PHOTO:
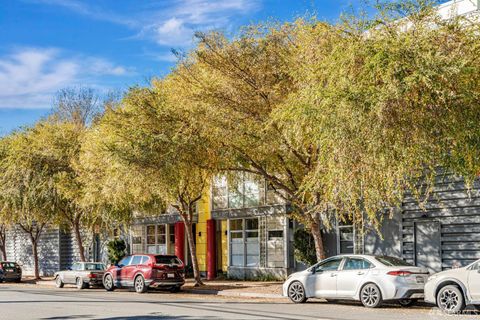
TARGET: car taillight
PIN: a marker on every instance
(160, 266)
(399, 273)
(92, 275)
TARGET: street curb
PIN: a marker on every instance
(235, 294)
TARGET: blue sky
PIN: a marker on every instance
(46, 45)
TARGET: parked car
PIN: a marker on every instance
(144, 271)
(452, 290)
(365, 278)
(10, 271)
(82, 274)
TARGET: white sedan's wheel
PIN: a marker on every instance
(450, 299)
(58, 282)
(296, 292)
(371, 296)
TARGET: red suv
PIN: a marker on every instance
(143, 271)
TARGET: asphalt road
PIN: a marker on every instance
(34, 302)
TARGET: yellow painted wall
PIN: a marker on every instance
(224, 247)
(203, 216)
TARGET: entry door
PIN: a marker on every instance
(427, 245)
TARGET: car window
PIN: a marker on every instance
(167, 260)
(136, 260)
(144, 260)
(392, 261)
(76, 267)
(329, 265)
(125, 261)
(94, 266)
(9, 265)
(356, 264)
(476, 266)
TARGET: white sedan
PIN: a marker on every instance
(452, 290)
(365, 278)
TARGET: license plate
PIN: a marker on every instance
(170, 275)
(420, 280)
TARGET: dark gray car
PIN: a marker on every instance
(10, 271)
(82, 274)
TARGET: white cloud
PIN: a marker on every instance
(102, 67)
(30, 76)
(175, 25)
(173, 31)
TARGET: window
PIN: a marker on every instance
(392, 261)
(235, 194)
(150, 234)
(157, 239)
(137, 238)
(236, 242)
(144, 260)
(220, 192)
(244, 243)
(161, 239)
(125, 261)
(330, 265)
(345, 236)
(8, 265)
(253, 190)
(136, 260)
(168, 260)
(252, 243)
(77, 267)
(94, 266)
(356, 264)
(245, 190)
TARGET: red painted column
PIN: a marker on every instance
(211, 250)
(180, 241)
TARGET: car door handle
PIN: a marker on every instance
(360, 273)
(333, 274)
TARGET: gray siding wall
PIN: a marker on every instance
(69, 252)
(456, 211)
(391, 244)
(57, 250)
(19, 249)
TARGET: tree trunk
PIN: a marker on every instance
(3, 242)
(193, 253)
(78, 237)
(317, 239)
(35, 257)
(3, 248)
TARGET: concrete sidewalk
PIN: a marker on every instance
(229, 288)
(252, 289)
